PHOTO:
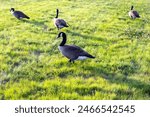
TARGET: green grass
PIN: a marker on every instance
(31, 66)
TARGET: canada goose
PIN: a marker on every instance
(72, 52)
(18, 14)
(59, 23)
(133, 14)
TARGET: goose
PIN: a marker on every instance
(59, 23)
(18, 14)
(133, 14)
(72, 52)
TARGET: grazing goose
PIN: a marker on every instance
(72, 52)
(18, 14)
(59, 23)
(133, 14)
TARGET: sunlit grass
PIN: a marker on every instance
(31, 66)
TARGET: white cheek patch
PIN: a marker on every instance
(11, 12)
(82, 57)
(61, 34)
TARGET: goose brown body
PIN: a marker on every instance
(133, 14)
(59, 23)
(72, 52)
(18, 14)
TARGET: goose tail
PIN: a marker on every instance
(138, 16)
(90, 56)
(27, 17)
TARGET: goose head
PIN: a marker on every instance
(57, 10)
(132, 7)
(63, 35)
(12, 10)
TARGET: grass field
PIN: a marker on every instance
(31, 66)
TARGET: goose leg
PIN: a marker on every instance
(71, 61)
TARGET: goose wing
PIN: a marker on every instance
(136, 13)
(20, 14)
(73, 52)
(61, 22)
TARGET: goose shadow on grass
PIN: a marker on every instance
(119, 78)
(86, 36)
(34, 22)
(39, 24)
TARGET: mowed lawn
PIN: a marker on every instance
(31, 66)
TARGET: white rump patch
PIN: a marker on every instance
(60, 26)
(82, 57)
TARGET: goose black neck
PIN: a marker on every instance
(63, 40)
(131, 7)
(57, 13)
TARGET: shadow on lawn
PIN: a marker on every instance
(86, 36)
(34, 22)
(120, 78)
(39, 24)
